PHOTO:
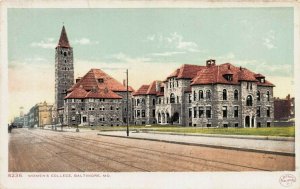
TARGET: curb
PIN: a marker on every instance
(206, 145)
(227, 136)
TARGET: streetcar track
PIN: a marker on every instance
(169, 154)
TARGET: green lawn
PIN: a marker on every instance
(269, 131)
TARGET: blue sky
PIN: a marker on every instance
(151, 43)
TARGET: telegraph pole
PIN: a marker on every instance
(127, 116)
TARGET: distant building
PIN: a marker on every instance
(40, 115)
(284, 108)
(207, 96)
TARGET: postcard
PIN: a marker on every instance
(149, 94)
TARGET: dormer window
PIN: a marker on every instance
(228, 77)
(100, 80)
(262, 80)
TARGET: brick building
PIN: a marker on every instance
(207, 96)
(284, 108)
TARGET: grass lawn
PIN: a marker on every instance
(268, 131)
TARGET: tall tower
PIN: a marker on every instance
(64, 69)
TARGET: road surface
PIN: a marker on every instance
(36, 150)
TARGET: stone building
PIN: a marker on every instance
(64, 73)
(208, 96)
(97, 99)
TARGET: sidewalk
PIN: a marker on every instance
(280, 147)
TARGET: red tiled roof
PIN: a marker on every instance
(142, 90)
(186, 71)
(152, 88)
(259, 76)
(215, 74)
(63, 40)
(97, 84)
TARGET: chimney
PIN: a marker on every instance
(210, 62)
(157, 86)
(288, 97)
(78, 79)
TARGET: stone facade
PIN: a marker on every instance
(228, 99)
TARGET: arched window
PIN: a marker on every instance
(137, 102)
(236, 95)
(172, 98)
(249, 100)
(224, 94)
(258, 95)
(208, 94)
(268, 95)
(201, 96)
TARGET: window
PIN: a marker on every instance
(201, 96)
(258, 111)
(138, 102)
(153, 102)
(268, 111)
(177, 83)
(153, 113)
(91, 108)
(138, 113)
(65, 53)
(249, 100)
(172, 98)
(224, 109)
(236, 95)
(73, 108)
(65, 62)
(208, 94)
(195, 97)
(208, 125)
(250, 86)
(258, 95)
(111, 119)
(100, 80)
(225, 125)
(190, 112)
(143, 101)
(143, 113)
(224, 94)
(190, 98)
(73, 118)
(268, 95)
(236, 111)
(236, 125)
(111, 108)
(208, 111)
(177, 99)
(159, 101)
(201, 111)
(195, 112)
(268, 124)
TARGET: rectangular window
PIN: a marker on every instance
(143, 113)
(195, 112)
(153, 113)
(268, 124)
(73, 108)
(190, 112)
(208, 125)
(268, 111)
(258, 124)
(201, 111)
(236, 111)
(208, 112)
(236, 125)
(138, 113)
(224, 109)
(225, 125)
(258, 111)
(190, 98)
(73, 118)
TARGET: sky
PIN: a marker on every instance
(151, 43)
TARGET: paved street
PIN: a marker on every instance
(38, 150)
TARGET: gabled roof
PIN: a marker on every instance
(63, 40)
(147, 89)
(97, 84)
(186, 71)
(215, 74)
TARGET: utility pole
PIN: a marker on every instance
(127, 117)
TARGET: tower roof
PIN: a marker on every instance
(63, 40)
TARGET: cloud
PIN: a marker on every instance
(46, 43)
(174, 42)
(167, 53)
(268, 40)
(128, 59)
(85, 41)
